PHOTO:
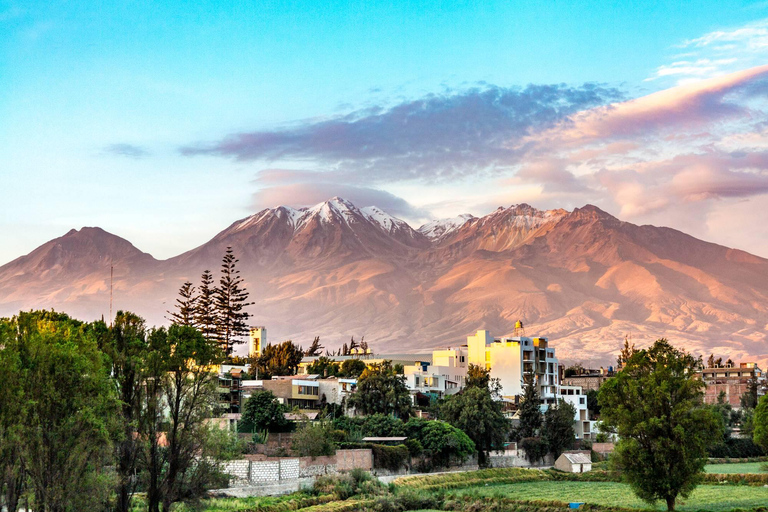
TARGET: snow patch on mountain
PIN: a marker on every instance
(441, 228)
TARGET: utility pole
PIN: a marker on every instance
(111, 273)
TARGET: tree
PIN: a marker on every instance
(475, 411)
(186, 306)
(263, 412)
(626, 352)
(68, 411)
(181, 380)
(749, 399)
(760, 423)
(313, 440)
(12, 476)
(477, 376)
(711, 361)
(593, 405)
(315, 349)
(381, 390)
(205, 307)
(444, 443)
(353, 368)
(323, 366)
(530, 410)
(230, 300)
(558, 433)
(125, 346)
(655, 403)
(280, 359)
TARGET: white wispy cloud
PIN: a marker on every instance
(717, 53)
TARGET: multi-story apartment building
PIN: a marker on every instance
(732, 381)
(576, 396)
(509, 359)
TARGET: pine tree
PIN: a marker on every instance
(230, 299)
(186, 306)
(205, 309)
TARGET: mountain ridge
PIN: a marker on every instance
(583, 277)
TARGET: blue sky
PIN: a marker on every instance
(165, 123)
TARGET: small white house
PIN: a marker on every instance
(574, 462)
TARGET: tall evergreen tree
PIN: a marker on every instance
(205, 308)
(230, 300)
(530, 409)
(186, 306)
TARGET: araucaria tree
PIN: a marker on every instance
(205, 307)
(230, 300)
(655, 404)
(186, 306)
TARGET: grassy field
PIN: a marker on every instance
(739, 467)
(705, 497)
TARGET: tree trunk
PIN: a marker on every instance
(671, 503)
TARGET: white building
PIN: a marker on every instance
(575, 396)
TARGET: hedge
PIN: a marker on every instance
(389, 457)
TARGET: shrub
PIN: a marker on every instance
(535, 449)
(391, 458)
(313, 440)
(414, 447)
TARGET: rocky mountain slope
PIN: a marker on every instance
(584, 278)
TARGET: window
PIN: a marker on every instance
(461, 359)
(581, 400)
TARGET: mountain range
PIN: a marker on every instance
(584, 278)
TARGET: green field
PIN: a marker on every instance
(739, 467)
(705, 497)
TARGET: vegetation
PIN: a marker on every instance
(381, 390)
(475, 411)
(558, 433)
(280, 359)
(760, 420)
(263, 412)
(655, 403)
(313, 440)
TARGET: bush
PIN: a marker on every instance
(313, 440)
(414, 447)
(736, 447)
(391, 458)
(535, 449)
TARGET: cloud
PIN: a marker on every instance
(432, 139)
(310, 193)
(718, 53)
(128, 150)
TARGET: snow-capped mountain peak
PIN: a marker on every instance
(441, 228)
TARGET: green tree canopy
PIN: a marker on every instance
(352, 368)
(530, 410)
(655, 404)
(381, 390)
(323, 366)
(280, 359)
(760, 423)
(475, 411)
(263, 412)
(558, 433)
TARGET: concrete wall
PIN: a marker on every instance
(264, 470)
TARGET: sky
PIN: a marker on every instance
(164, 122)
